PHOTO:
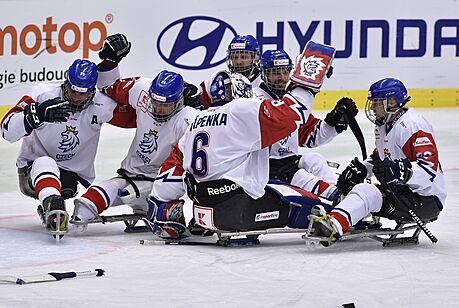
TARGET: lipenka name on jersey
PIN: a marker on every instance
(216, 119)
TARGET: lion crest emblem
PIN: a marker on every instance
(69, 139)
(149, 144)
(311, 67)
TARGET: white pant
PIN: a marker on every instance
(113, 192)
(363, 199)
(45, 177)
(315, 176)
(316, 164)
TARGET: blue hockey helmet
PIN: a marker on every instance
(80, 86)
(227, 86)
(166, 96)
(243, 55)
(275, 70)
(385, 97)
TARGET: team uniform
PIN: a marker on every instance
(55, 148)
(409, 136)
(225, 154)
(152, 143)
(405, 162)
(310, 171)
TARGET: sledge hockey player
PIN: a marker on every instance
(225, 155)
(242, 56)
(405, 162)
(59, 124)
(309, 171)
(161, 119)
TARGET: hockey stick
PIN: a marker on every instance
(109, 219)
(51, 277)
(413, 215)
(166, 242)
(355, 128)
(225, 238)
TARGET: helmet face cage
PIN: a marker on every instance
(80, 87)
(243, 55)
(165, 96)
(242, 61)
(376, 110)
(163, 111)
(385, 97)
(276, 78)
(70, 95)
(275, 70)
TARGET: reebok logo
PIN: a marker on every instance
(222, 190)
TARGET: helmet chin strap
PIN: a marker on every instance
(389, 117)
(74, 108)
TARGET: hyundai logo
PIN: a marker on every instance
(195, 43)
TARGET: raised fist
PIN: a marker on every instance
(336, 118)
(115, 47)
(192, 96)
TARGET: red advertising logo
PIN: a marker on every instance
(69, 37)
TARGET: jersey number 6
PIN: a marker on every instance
(199, 158)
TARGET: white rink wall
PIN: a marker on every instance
(414, 40)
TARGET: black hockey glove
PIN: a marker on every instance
(336, 118)
(355, 173)
(52, 110)
(115, 47)
(396, 172)
(192, 96)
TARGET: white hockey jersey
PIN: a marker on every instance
(232, 141)
(72, 144)
(153, 141)
(313, 133)
(411, 136)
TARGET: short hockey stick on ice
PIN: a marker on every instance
(50, 277)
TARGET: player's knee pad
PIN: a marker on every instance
(44, 164)
(166, 218)
(69, 184)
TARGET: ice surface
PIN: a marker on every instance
(280, 272)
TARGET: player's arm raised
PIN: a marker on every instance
(280, 118)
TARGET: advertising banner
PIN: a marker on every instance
(415, 41)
